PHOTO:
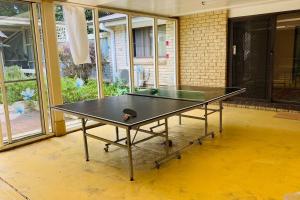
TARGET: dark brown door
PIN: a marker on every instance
(250, 56)
(286, 67)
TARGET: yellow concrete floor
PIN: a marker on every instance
(256, 157)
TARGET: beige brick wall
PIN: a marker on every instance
(202, 46)
(122, 54)
(167, 71)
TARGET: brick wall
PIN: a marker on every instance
(121, 50)
(202, 45)
(167, 72)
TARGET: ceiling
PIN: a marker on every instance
(173, 7)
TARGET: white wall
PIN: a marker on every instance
(283, 5)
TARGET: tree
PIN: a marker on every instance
(59, 14)
(12, 9)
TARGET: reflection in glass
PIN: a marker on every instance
(286, 73)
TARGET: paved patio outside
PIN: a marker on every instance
(26, 123)
(22, 124)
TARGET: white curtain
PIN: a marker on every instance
(77, 35)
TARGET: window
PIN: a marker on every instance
(143, 41)
(144, 69)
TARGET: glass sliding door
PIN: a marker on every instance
(250, 56)
(79, 81)
(166, 52)
(286, 68)
(143, 49)
(114, 53)
(21, 100)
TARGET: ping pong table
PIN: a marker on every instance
(152, 106)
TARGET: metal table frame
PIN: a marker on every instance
(129, 143)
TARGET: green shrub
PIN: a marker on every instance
(14, 73)
(73, 93)
(115, 89)
(14, 90)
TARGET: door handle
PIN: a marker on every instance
(234, 50)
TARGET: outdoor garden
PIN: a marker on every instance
(23, 97)
(76, 86)
(79, 82)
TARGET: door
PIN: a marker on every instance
(286, 72)
(250, 49)
(22, 111)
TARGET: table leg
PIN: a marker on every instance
(168, 143)
(206, 133)
(129, 148)
(117, 133)
(167, 136)
(85, 139)
(206, 120)
(221, 117)
(180, 122)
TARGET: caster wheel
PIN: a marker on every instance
(106, 149)
(125, 141)
(170, 143)
(212, 135)
(157, 165)
(178, 156)
(199, 141)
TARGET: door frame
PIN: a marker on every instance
(270, 49)
(272, 39)
(39, 81)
